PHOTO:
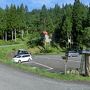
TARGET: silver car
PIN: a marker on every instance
(72, 54)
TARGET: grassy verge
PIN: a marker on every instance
(6, 59)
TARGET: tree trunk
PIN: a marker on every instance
(5, 35)
(12, 34)
(15, 35)
(22, 32)
(27, 32)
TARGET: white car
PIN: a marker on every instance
(22, 58)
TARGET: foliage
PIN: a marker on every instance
(34, 43)
(88, 18)
(86, 40)
(77, 27)
(34, 40)
(61, 23)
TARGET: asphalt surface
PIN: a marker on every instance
(54, 63)
(12, 79)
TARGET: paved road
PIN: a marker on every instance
(12, 79)
(55, 63)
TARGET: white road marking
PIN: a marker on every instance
(49, 68)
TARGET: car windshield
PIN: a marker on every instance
(72, 52)
(16, 56)
(25, 55)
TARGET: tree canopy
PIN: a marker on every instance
(68, 21)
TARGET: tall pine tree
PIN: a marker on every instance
(77, 24)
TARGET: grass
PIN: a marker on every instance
(5, 53)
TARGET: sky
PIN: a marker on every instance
(37, 4)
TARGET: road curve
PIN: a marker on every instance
(12, 79)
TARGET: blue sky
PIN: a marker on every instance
(37, 4)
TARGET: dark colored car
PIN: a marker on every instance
(22, 51)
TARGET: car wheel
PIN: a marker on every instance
(29, 60)
(19, 61)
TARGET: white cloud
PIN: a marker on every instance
(41, 2)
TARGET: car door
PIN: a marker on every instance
(25, 57)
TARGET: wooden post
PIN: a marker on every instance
(87, 64)
(66, 60)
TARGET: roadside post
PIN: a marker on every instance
(65, 58)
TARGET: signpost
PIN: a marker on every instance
(65, 67)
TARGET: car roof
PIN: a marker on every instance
(24, 54)
(21, 54)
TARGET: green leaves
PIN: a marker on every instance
(77, 20)
(2, 19)
(68, 21)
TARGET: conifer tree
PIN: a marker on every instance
(77, 24)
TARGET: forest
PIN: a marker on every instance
(61, 22)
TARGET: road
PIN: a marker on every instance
(12, 79)
(55, 63)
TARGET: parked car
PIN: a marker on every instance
(22, 58)
(85, 51)
(72, 53)
(22, 51)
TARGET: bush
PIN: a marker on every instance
(32, 43)
(50, 49)
(35, 42)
